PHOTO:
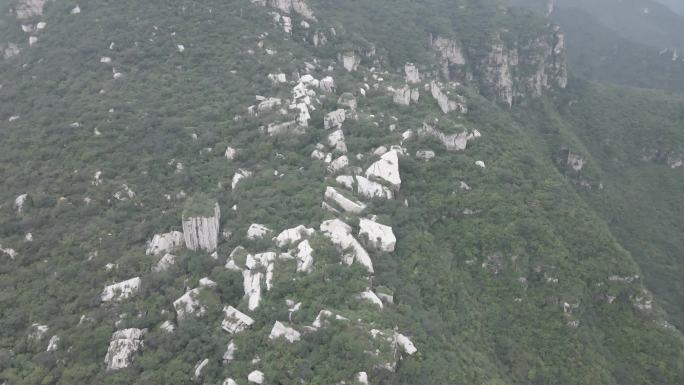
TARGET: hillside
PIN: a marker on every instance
(322, 192)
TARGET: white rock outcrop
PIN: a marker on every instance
(122, 290)
(305, 257)
(279, 330)
(29, 8)
(346, 181)
(257, 231)
(402, 96)
(340, 234)
(338, 164)
(229, 381)
(53, 344)
(230, 153)
(293, 235)
(425, 155)
(337, 141)
(167, 326)
(362, 378)
(288, 6)
(480, 164)
(235, 321)
(10, 51)
(189, 304)
(37, 331)
(122, 348)
(200, 365)
(350, 61)
(334, 119)
(229, 355)
(445, 104)
(256, 377)
(386, 169)
(371, 297)
(370, 189)
(20, 202)
(452, 142)
(251, 281)
(327, 84)
(164, 263)
(201, 233)
(346, 204)
(277, 78)
(450, 53)
(165, 243)
(405, 344)
(412, 73)
(239, 175)
(377, 236)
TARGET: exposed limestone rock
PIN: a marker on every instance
(164, 263)
(327, 84)
(449, 51)
(235, 321)
(290, 127)
(405, 95)
(385, 294)
(293, 235)
(369, 296)
(349, 61)
(167, 326)
(362, 378)
(229, 355)
(443, 101)
(277, 78)
(122, 290)
(164, 243)
(202, 232)
(239, 175)
(377, 235)
(480, 163)
(405, 343)
(75, 10)
(9, 251)
(206, 282)
(340, 234)
(37, 331)
(251, 281)
(288, 6)
(338, 164)
(229, 381)
(337, 141)
(498, 75)
(386, 169)
(230, 153)
(257, 231)
(334, 119)
(189, 304)
(305, 258)
(412, 73)
(346, 204)
(256, 377)
(346, 181)
(124, 193)
(370, 189)
(281, 331)
(425, 155)
(10, 51)
(29, 8)
(122, 347)
(200, 365)
(452, 142)
(33, 40)
(20, 202)
(53, 344)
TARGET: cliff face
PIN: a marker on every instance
(202, 232)
(512, 72)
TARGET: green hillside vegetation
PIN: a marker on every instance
(507, 282)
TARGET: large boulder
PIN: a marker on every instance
(445, 104)
(279, 330)
(412, 73)
(370, 189)
(123, 345)
(234, 321)
(334, 119)
(188, 304)
(340, 234)
(386, 169)
(346, 204)
(120, 291)
(293, 235)
(377, 235)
